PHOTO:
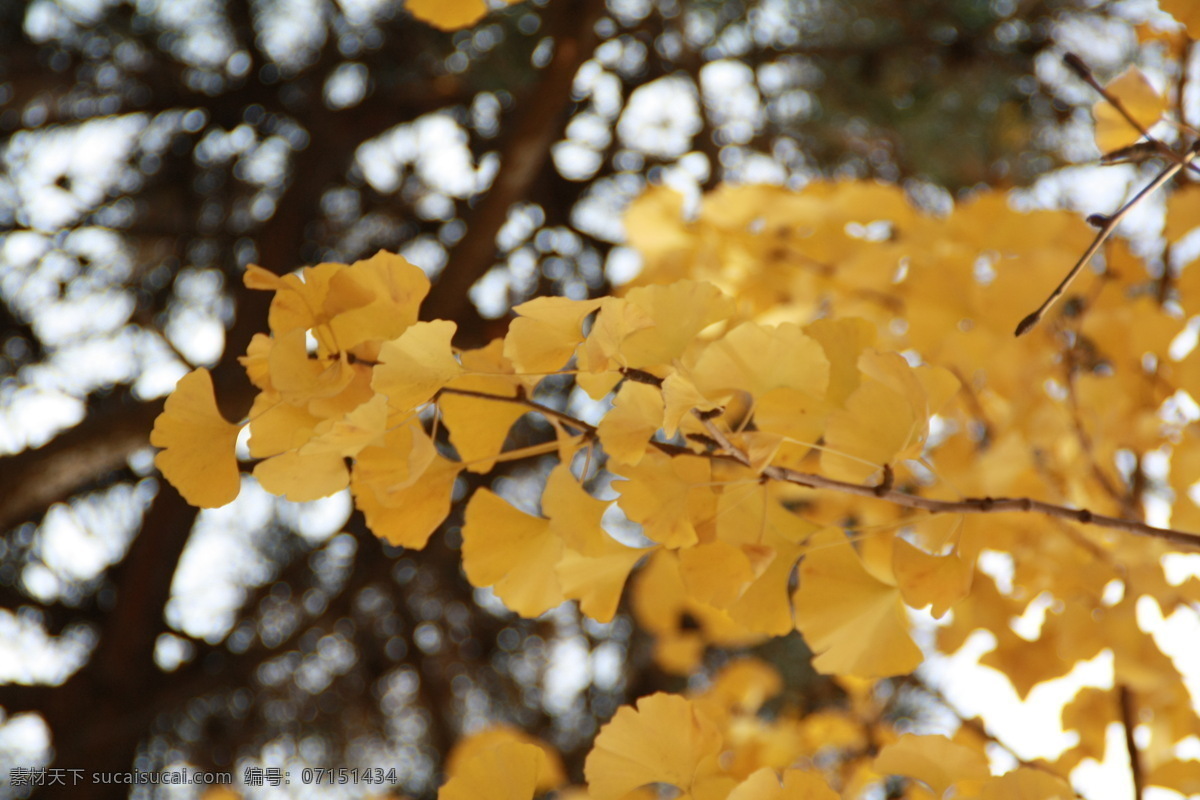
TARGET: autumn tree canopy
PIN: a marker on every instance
(614, 400)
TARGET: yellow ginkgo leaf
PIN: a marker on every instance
(1027, 783)
(299, 301)
(797, 784)
(417, 364)
(376, 298)
(680, 397)
(396, 463)
(478, 426)
(277, 426)
(407, 517)
(508, 771)
(301, 478)
(886, 418)
(925, 579)
(755, 358)
(574, 514)
(551, 773)
(198, 444)
(843, 341)
(743, 686)
(855, 623)
(544, 335)
(626, 430)
(665, 740)
(301, 379)
(750, 516)
(669, 496)
(1179, 775)
(256, 361)
(513, 552)
(1183, 211)
(1141, 99)
(933, 760)
(717, 572)
(597, 580)
(346, 437)
(617, 321)
(680, 311)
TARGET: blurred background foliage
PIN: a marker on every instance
(152, 148)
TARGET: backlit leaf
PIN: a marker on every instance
(198, 444)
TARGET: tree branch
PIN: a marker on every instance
(527, 147)
(884, 492)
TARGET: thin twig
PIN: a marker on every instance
(1129, 719)
(968, 505)
(1075, 63)
(521, 400)
(1110, 224)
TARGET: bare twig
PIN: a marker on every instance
(1075, 63)
(1109, 225)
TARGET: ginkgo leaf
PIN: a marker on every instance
(408, 516)
(277, 426)
(925, 579)
(718, 572)
(417, 364)
(886, 418)
(257, 360)
(198, 444)
(668, 496)
(395, 464)
(347, 436)
(301, 478)
(597, 579)
(1142, 100)
(574, 514)
(1183, 212)
(617, 321)
(626, 430)
(680, 311)
(1027, 783)
(755, 358)
(843, 341)
(376, 298)
(744, 686)
(855, 623)
(550, 774)
(479, 426)
(546, 331)
(683, 625)
(513, 552)
(508, 771)
(1180, 775)
(300, 379)
(665, 740)
(934, 760)
(299, 302)
(680, 397)
(796, 784)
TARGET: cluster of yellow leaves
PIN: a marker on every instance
(1085, 413)
(717, 745)
(351, 385)
(816, 331)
